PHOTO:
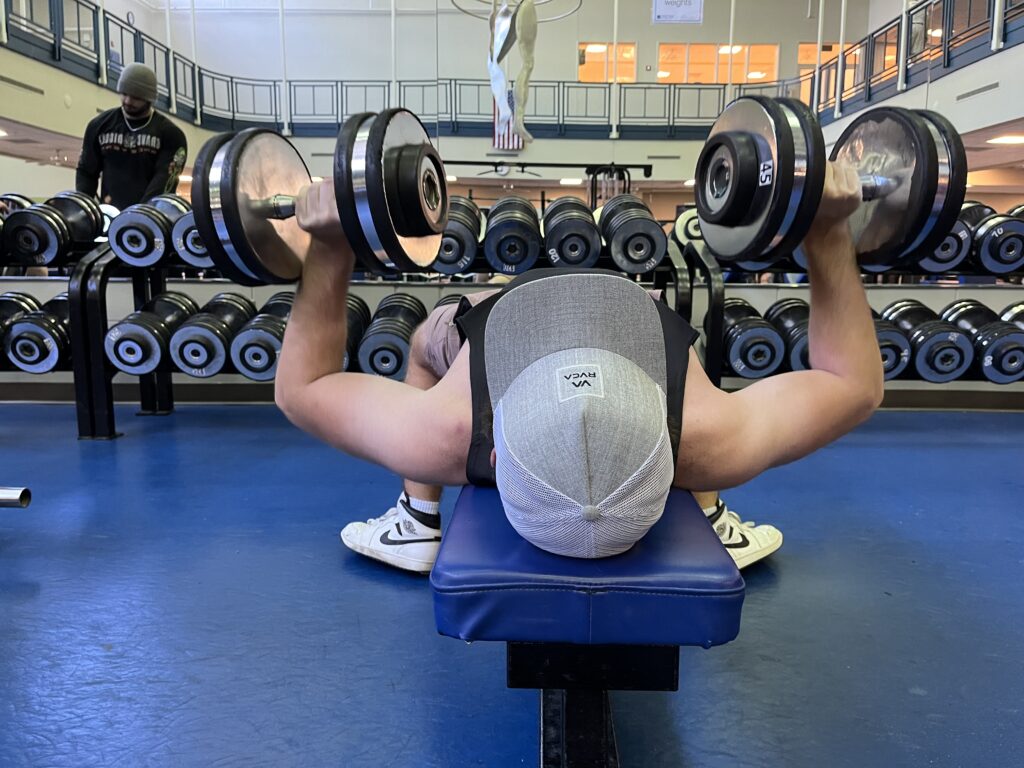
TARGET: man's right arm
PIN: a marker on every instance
(90, 162)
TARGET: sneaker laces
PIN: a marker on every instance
(391, 513)
(733, 518)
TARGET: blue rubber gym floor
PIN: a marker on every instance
(179, 597)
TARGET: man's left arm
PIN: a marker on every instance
(170, 162)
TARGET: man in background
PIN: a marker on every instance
(138, 152)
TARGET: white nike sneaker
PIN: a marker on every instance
(746, 542)
(402, 537)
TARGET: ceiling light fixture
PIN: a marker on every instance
(3, 133)
(1008, 139)
(188, 179)
(570, 182)
(690, 183)
(758, 75)
(725, 49)
(596, 48)
(663, 73)
(451, 179)
(935, 32)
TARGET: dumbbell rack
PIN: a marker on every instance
(93, 375)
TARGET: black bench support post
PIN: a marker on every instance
(576, 726)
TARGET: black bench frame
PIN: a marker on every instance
(576, 726)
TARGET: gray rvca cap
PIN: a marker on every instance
(577, 378)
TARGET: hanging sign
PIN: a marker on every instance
(677, 11)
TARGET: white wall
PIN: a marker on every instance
(350, 39)
(881, 12)
(36, 181)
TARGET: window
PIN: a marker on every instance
(709, 63)
(597, 65)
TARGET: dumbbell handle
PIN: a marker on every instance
(276, 207)
(873, 186)
(15, 497)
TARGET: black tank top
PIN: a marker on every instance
(471, 322)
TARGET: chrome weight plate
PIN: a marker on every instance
(188, 243)
(251, 169)
(390, 185)
(894, 152)
(750, 178)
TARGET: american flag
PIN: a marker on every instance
(507, 139)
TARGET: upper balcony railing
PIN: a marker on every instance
(931, 39)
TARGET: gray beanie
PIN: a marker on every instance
(138, 81)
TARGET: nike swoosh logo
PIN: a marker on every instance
(385, 538)
(740, 544)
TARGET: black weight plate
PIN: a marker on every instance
(951, 185)
(256, 165)
(391, 130)
(950, 252)
(1017, 210)
(891, 143)
(809, 181)
(188, 243)
(774, 202)
(354, 130)
(999, 244)
(205, 224)
(972, 212)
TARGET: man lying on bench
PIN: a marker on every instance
(578, 395)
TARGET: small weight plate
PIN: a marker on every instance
(205, 224)
(188, 243)
(109, 214)
(774, 204)
(133, 347)
(950, 188)
(255, 349)
(368, 146)
(950, 252)
(140, 236)
(999, 244)
(972, 212)
(198, 351)
(254, 166)
(1017, 210)
(687, 228)
(897, 146)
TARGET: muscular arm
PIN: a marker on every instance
(90, 162)
(170, 162)
(421, 435)
(729, 438)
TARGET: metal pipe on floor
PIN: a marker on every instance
(15, 497)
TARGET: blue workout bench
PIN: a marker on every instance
(577, 629)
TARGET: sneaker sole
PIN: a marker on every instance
(395, 560)
(760, 554)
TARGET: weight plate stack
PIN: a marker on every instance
(257, 346)
(753, 348)
(512, 242)
(139, 344)
(998, 244)
(941, 353)
(201, 345)
(384, 348)
(143, 234)
(188, 243)
(633, 237)
(571, 236)
(998, 344)
(39, 341)
(461, 237)
(37, 236)
(790, 318)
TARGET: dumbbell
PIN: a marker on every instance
(13, 305)
(188, 243)
(998, 244)
(384, 349)
(761, 173)
(633, 238)
(512, 241)
(790, 318)
(201, 345)
(255, 348)
(1014, 314)
(139, 343)
(358, 319)
(48, 234)
(941, 353)
(753, 348)
(451, 298)
(13, 202)
(893, 346)
(571, 236)
(389, 185)
(39, 341)
(998, 344)
(461, 236)
(956, 245)
(143, 235)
